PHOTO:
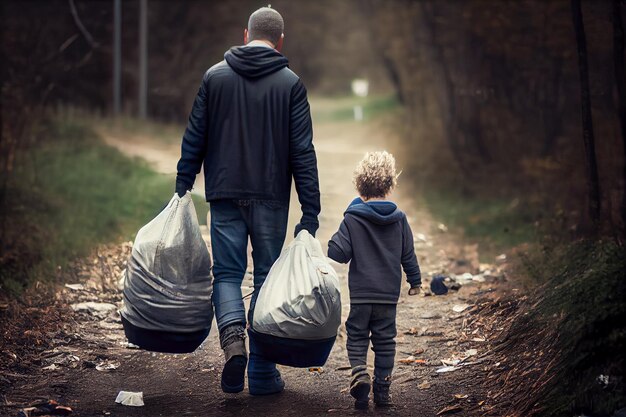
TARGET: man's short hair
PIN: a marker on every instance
(265, 24)
(375, 176)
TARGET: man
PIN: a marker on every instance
(251, 127)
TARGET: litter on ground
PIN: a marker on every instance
(129, 398)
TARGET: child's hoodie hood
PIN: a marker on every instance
(379, 212)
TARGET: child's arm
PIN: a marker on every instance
(340, 246)
(409, 260)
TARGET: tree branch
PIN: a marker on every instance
(82, 27)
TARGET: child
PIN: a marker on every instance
(375, 236)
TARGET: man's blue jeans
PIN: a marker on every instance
(232, 222)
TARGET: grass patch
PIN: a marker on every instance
(497, 224)
(68, 194)
(342, 109)
(584, 292)
(166, 133)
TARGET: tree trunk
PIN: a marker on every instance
(551, 115)
(394, 76)
(620, 82)
(593, 182)
(449, 108)
(143, 59)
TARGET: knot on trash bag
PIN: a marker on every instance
(437, 285)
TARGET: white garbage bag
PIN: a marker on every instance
(168, 282)
(300, 298)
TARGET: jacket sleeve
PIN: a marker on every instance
(194, 143)
(340, 246)
(302, 159)
(409, 260)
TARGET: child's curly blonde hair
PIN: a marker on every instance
(375, 176)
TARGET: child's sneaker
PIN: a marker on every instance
(382, 398)
(360, 387)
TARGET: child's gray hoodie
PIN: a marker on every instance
(375, 237)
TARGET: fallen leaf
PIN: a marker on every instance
(471, 352)
(411, 360)
(107, 366)
(457, 308)
(451, 409)
(445, 369)
(75, 287)
(424, 385)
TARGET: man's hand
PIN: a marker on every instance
(415, 290)
(181, 191)
(311, 228)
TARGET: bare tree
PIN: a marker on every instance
(143, 59)
(620, 83)
(449, 109)
(593, 182)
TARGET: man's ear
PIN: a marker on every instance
(279, 45)
(245, 36)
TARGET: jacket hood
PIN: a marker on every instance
(379, 212)
(255, 61)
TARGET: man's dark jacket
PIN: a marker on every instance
(251, 127)
(375, 237)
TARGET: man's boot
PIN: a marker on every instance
(382, 398)
(233, 342)
(360, 387)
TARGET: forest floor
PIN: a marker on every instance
(87, 362)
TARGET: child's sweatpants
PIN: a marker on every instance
(375, 322)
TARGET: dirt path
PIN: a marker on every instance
(429, 329)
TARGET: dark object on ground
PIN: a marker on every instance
(44, 408)
(298, 353)
(437, 286)
(166, 342)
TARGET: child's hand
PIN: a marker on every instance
(415, 290)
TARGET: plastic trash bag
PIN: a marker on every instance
(168, 283)
(298, 310)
